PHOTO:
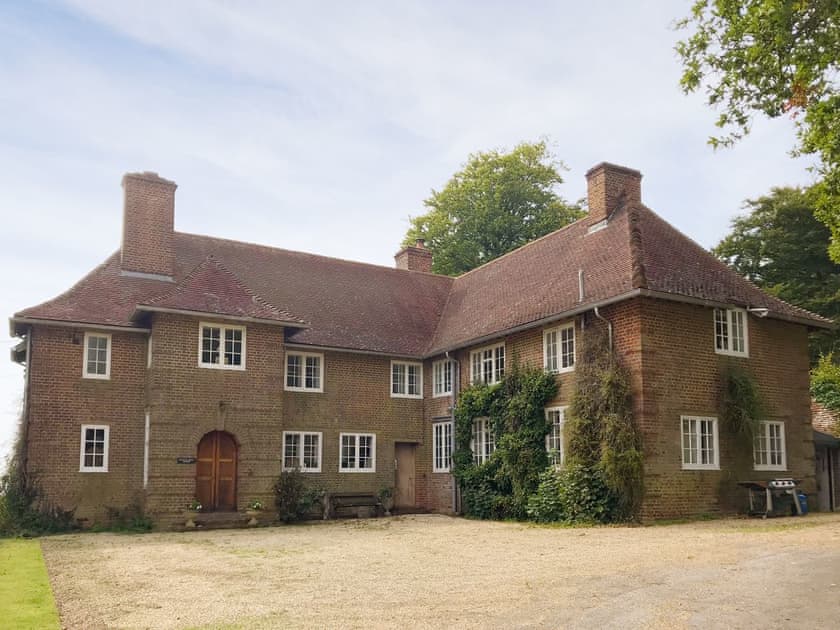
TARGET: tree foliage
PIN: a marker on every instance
(783, 249)
(825, 383)
(772, 58)
(497, 202)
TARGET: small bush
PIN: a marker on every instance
(294, 498)
(573, 494)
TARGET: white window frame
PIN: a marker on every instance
(561, 451)
(483, 429)
(300, 457)
(559, 358)
(303, 356)
(732, 314)
(496, 376)
(404, 381)
(442, 366)
(372, 469)
(223, 328)
(442, 430)
(765, 437)
(85, 373)
(105, 450)
(714, 465)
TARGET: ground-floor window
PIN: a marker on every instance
(302, 451)
(483, 442)
(769, 446)
(94, 448)
(442, 441)
(554, 439)
(699, 442)
(357, 452)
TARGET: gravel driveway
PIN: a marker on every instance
(437, 571)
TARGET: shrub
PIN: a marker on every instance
(294, 498)
(573, 494)
(825, 382)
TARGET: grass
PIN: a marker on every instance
(26, 600)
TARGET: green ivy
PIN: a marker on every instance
(742, 407)
(500, 487)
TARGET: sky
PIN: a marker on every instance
(322, 127)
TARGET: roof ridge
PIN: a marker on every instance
(311, 255)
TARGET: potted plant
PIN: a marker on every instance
(252, 510)
(192, 509)
(386, 499)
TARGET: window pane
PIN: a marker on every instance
(291, 452)
(567, 348)
(413, 380)
(721, 330)
(365, 451)
(348, 451)
(397, 378)
(500, 363)
(293, 372)
(311, 446)
(551, 363)
(233, 346)
(313, 372)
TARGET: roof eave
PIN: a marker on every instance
(18, 323)
(238, 318)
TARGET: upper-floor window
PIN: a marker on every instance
(97, 356)
(442, 442)
(731, 331)
(357, 452)
(559, 349)
(487, 365)
(769, 446)
(222, 347)
(699, 443)
(483, 441)
(442, 377)
(406, 380)
(304, 371)
(93, 456)
(554, 438)
(302, 451)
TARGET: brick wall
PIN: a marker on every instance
(148, 224)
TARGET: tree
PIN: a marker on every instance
(772, 58)
(782, 248)
(497, 202)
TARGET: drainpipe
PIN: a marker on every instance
(609, 326)
(27, 377)
(456, 382)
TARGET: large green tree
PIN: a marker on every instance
(772, 58)
(497, 202)
(781, 247)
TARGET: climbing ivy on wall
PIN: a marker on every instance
(500, 487)
(604, 442)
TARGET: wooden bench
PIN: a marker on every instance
(362, 504)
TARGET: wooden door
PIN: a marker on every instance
(404, 475)
(215, 472)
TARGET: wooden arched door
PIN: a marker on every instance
(215, 471)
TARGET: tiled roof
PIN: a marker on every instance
(407, 313)
(824, 420)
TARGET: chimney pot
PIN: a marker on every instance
(148, 224)
(610, 185)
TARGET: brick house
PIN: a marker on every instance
(827, 450)
(191, 366)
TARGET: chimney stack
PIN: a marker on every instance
(148, 225)
(609, 185)
(414, 257)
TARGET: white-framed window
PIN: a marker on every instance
(442, 443)
(357, 452)
(302, 451)
(93, 454)
(97, 362)
(406, 380)
(487, 365)
(731, 332)
(554, 438)
(304, 371)
(699, 443)
(221, 346)
(442, 378)
(769, 452)
(559, 349)
(483, 441)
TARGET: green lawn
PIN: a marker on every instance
(26, 600)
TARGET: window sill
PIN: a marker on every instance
(308, 390)
(97, 377)
(700, 467)
(442, 395)
(302, 470)
(729, 353)
(357, 470)
(217, 366)
(770, 468)
(93, 470)
(441, 471)
(414, 396)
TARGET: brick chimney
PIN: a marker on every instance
(414, 257)
(608, 185)
(148, 224)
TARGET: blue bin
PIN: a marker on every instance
(803, 502)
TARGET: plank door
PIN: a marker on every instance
(215, 471)
(404, 475)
